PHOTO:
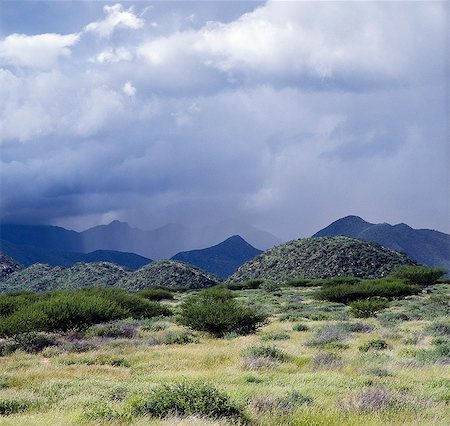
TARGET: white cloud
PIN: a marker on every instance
(116, 17)
(113, 55)
(129, 89)
(36, 51)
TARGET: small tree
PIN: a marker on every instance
(217, 312)
(419, 275)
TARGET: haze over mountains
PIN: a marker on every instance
(425, 246)
(56, 245)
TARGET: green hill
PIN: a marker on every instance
(168, 273)
(323, 257)
(40, 277)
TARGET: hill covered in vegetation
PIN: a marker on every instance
(41, 277)
(222, 259)
(168, 273)
(323, 257)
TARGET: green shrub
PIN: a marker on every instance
(271, 352)
(386, 288)
(373, 345)
(439, 328)
(116, 329)
(367, 308)
(330, 282)
(10, 406)
(280, 335)
(179, 338)
(271, 286)
(185, 399)
(418, 275)
(67, 310)
(156, 294)
(215, 311)
(300, 327)
(299, 282)
(246, 285)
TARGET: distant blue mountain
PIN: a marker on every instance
(222, 259)
(28, 255)
(160, 243)
(425, 246)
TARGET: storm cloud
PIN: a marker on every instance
(287, 115)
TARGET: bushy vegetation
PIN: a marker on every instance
(386, 288)
(217, 312)
(368, 307)
(246, 285)
(156, 294)
(374, 345)
(185, 398)
(418, 274)
(71, 310)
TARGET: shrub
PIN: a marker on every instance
(114, 330)
(331, 282)
(375, 399)
(156, 294)
(326, 360)
(356, 327)
(271, 352)
(373, 345)
(262, 404)
(326, 335)
(367, 308)
(15, 405)
(67, 310)
(439, 329)
(246, 285)
(281, 335)
(33, 342)
(345, 293)
(299, 282)
(185, 399)
(418, 274)
(215, 311)
(300, 327)
(179, 338)
(271, 286)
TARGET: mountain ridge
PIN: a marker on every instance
(425, 246)
(221, 259)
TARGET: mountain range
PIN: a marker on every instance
(425, 246)
(160, 243)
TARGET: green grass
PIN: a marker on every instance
(320, 384)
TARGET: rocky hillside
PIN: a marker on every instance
(40, 277)
(222, 259)
(7, 266)
(322, 257)
(168, 273)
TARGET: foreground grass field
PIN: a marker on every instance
(312, 364)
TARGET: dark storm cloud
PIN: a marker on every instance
(288, 115)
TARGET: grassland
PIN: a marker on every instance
(322, 376)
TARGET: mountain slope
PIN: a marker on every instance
(8, 266)
(28, 255)
(322, 257)
(222, 259)
(425, 246)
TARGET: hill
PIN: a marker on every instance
(168, 273)
(323, 257)
(222, 259)
(28, 255)
(425, 246)
(40, 277)
(8, 266)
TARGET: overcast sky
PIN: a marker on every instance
(287, 115)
